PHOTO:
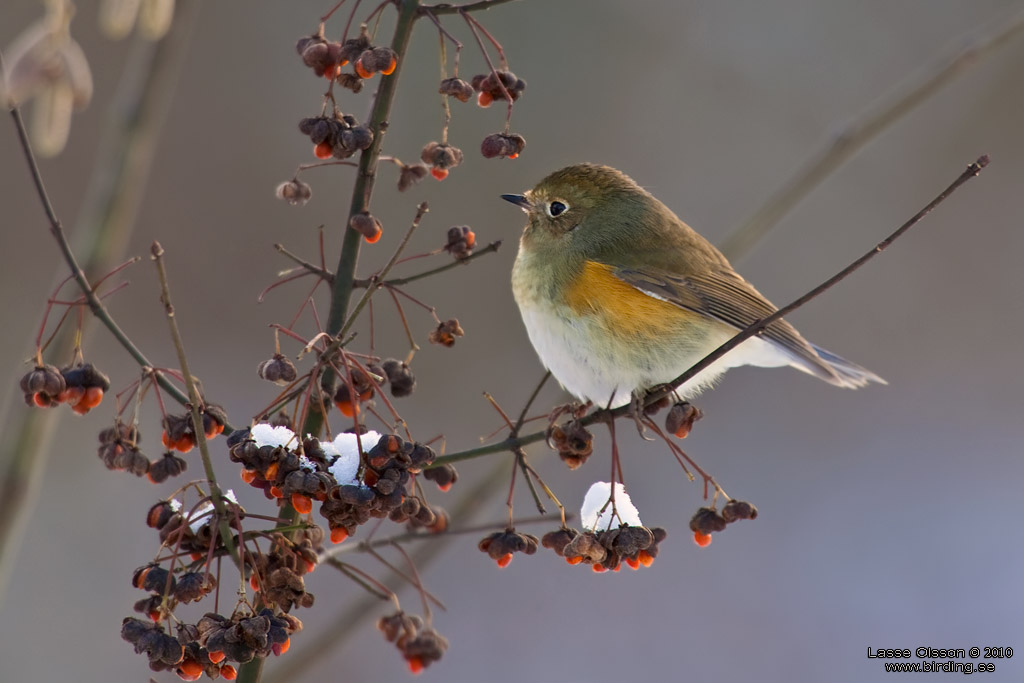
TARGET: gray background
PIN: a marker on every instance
(889, 517)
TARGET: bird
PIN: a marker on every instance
(618, 295)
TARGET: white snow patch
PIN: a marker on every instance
(266, 435)
(597, 497)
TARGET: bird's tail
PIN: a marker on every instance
(849, 374)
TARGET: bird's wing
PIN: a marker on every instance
(730, 299)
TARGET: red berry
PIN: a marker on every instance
(703, 540)
(323, 150)
(302, 504)
(439, 173)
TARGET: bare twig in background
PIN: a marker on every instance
(857, 135)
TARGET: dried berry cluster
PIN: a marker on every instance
(81, 386)
(708, 520)
(501, 545)
(277, 575)
(279, 370)
(377, 488)
(294, 191)
(680, 418)
(180, 433)
(573, 443)
(446, 332)
(387, 472)
(440, 157)
(494, 86)
(339, 136)
(606, 550)
(419, 644)
(326, 58)
(502, 145)
(461, 240)
(192, 533)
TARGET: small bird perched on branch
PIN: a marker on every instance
(619, 295)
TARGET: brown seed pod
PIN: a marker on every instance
(294, 191)
(461, 240)
(446, 332)
(411, 175)
(366, 225)
(457, 88)
(502, 145)
(279, 370)
(403, 382)
(738, 509)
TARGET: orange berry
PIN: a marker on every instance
(166, 440)
(415, 664)
(228, 672)
(484, 99)
(271, 471)
(185, 443)
(332, 72)
(215, 657)
(439, 173)
(80, 409)
(283, 647)
(574, 560)
(310, 565)
(41, 400)
(323, 150)
(346, 407)
(390, 68)
(276, 492)
(93, 397)
(445, 488)
(254, 581)
(215, 429)
(633, 563)
(248, 476)
(470, 238)
(599, 568)
(338, 535)
(703, 540)
(71, 395)
(372, 239)
(302, 504)
(155, 615)
(190, 670)
(646, 559)
(196, 556)
(513, 155)
(504, 560)
(361, 70)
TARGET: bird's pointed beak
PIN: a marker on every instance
(519, 200)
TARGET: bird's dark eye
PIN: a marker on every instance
(557, 209)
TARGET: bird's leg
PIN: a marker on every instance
(636, 405)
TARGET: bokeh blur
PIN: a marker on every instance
(888, 515)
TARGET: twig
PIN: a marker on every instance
(856, 136)
(399, 281)
(421, 210)
(447, 8)
(754, 329)
(315, 270)
(216, 496)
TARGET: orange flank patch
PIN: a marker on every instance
(596, 291)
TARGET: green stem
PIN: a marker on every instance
(362, 191)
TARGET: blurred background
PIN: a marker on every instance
(888, 515)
